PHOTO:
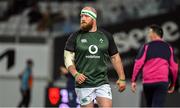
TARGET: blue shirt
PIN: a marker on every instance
(25, 78)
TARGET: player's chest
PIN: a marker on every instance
(87, 42)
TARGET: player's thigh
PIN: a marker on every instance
(104, 102)
(104, 96)
(90, 105)
(85, 96)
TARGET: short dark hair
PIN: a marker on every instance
(29, 62)
(157, 29)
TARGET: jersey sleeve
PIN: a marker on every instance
(71, 43)
(112, 49)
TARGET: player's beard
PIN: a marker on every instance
(86, 26)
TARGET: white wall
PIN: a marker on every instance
(10, 92)
(38, 53)
(9, 82)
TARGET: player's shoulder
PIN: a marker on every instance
(105, 33)
(74, 34)
(101, 30)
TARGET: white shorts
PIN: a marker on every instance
(87, 95)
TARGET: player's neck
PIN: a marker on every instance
(94, 29)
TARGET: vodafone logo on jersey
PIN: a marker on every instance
(93, 49)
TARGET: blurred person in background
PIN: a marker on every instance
(155, 59)
(34, 15)
(15, 7)
(86, 55)
(70, 78)
(69, 86)
(26, 79)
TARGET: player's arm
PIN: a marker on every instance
(69, 53)
(115, 57)
(117, 64)
(69, 63)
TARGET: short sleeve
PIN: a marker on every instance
(71, 42)
(112, 49)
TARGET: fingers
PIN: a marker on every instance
(121, 86)
(133, 87)
(80, 78)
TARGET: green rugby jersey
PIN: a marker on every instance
(92, 53)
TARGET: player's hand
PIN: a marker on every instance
(171, 89)
(80, 78)
(121, 85)
(133, 87)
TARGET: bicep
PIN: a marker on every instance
(115, 57)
